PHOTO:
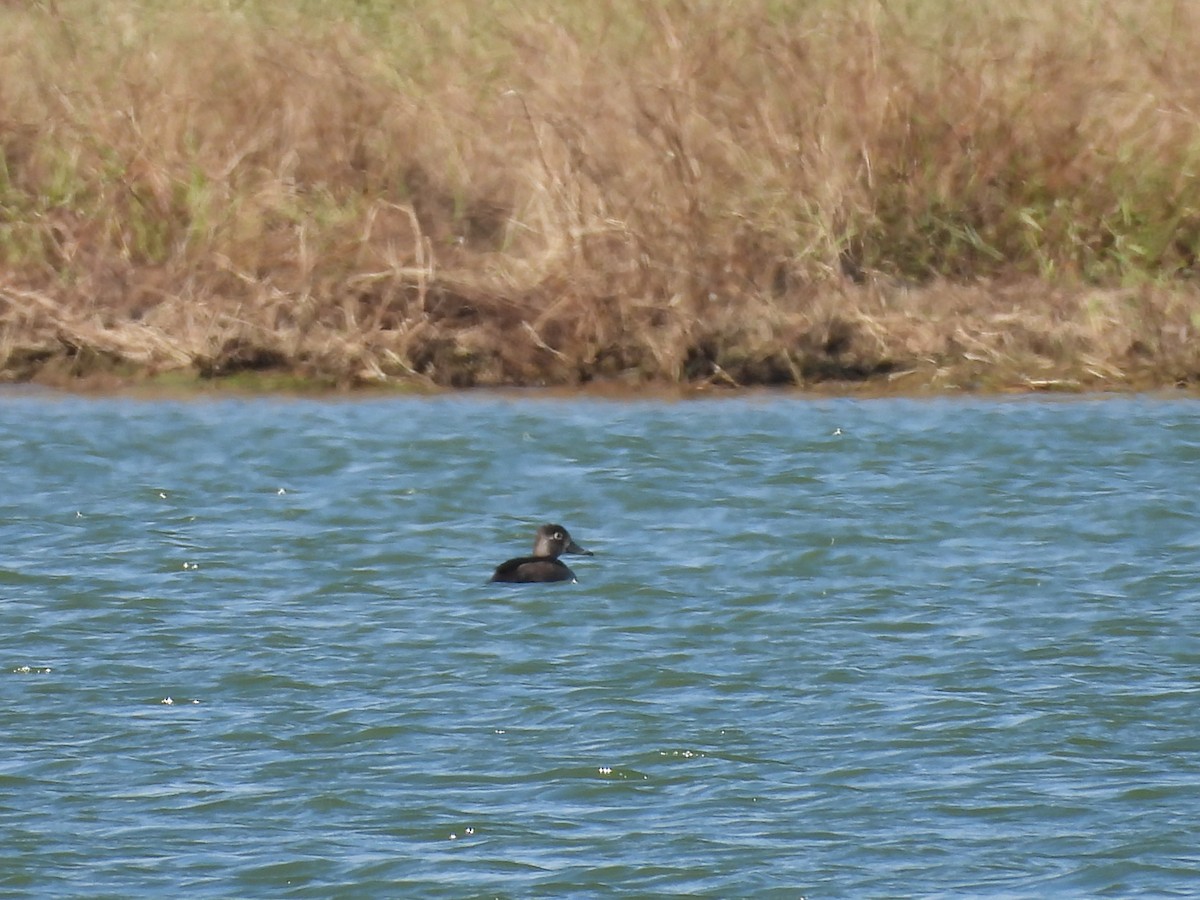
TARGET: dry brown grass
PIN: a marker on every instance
(695, 191)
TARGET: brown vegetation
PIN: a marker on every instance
(908, 194)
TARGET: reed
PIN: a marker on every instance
(903, 193)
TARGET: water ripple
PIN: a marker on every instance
(825, 648)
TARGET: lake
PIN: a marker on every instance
(825, 647)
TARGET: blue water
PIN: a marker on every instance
(826, 648)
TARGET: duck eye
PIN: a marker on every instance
(558, 535)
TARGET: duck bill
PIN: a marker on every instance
(577, 550)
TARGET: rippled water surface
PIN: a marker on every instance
(826, 648)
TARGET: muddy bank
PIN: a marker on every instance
(853, 339)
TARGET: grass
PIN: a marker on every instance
(912, 194)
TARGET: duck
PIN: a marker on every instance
(551, 542)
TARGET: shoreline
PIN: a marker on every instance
(288, 384)
(877, 339)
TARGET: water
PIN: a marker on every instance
(826, 648)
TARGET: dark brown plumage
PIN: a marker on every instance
(544, 566)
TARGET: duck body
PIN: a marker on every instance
(544, 566)
(531, 569)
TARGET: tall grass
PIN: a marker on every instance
(765, 191)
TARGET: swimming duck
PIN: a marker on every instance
(551, 542)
